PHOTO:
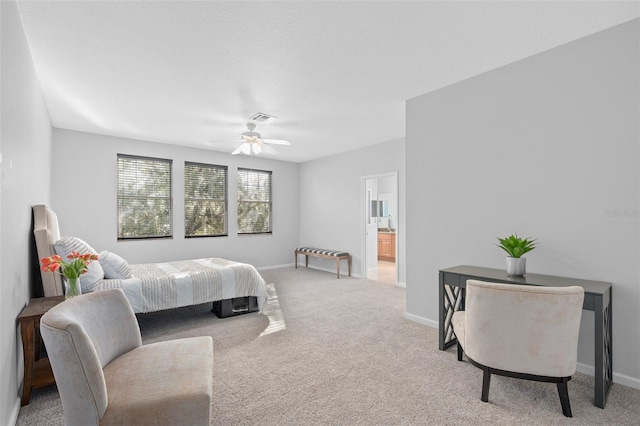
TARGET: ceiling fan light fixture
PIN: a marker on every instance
(248, 148)
(253, 144)
(250, 136)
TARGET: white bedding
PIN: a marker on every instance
(160, 286)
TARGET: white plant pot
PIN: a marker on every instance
(516, 267)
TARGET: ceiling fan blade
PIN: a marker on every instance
(238, 150)
(220, 142)
(276, 142)
(269, 150)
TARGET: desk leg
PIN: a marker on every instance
(451, 300)
(603, 350)
(27, 330)
(441, 323)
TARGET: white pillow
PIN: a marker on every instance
(90, 279)
(114, 266)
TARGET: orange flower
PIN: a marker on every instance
(49, 260)
(88, 257)
(49, 266)
(77, 266)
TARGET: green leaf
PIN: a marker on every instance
(516, 246)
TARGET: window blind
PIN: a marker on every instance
(144, 197)
(205, 200)
(254, 201)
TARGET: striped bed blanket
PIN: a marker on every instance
(159, 286)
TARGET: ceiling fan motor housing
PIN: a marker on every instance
(251, 134)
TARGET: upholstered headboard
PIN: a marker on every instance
(46, 231)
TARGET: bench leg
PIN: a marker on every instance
(338, 259)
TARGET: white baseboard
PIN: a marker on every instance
(401, 284)
(290, 265)
(15, 410)
(266, 268)
(622, 379)
(586, 369)
(333, 271)
(421, 320)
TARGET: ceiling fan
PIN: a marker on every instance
(253, 143)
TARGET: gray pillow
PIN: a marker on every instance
(114, 266)
(90, 279)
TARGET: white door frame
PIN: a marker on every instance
(364, 216)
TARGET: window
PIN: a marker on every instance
(205, 200)
(144, 197)
(254, 201)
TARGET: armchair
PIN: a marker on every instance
(521, 331)
(106, 376)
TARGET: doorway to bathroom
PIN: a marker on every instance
(381, 227)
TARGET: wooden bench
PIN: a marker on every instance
(325, 254)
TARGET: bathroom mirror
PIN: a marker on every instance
(379, 208)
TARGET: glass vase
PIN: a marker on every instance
(72, 287)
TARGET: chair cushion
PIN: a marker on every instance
(161, 383)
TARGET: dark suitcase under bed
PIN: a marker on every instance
(237, 306)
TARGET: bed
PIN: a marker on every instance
(233, 287)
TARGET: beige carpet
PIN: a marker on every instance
(340, 352)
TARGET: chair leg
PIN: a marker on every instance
(459, 352)
(563, 392)
(486, 380)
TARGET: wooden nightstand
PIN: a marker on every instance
(37, 371)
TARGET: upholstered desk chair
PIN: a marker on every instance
(521, 331)
(106, 376)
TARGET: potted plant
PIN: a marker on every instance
(515, 248)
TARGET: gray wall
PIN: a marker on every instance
(24, 180)
(332, 202)
(547, 147)
(85, 191)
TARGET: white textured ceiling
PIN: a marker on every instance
(337, 74)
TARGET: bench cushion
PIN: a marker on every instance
(333, 253)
